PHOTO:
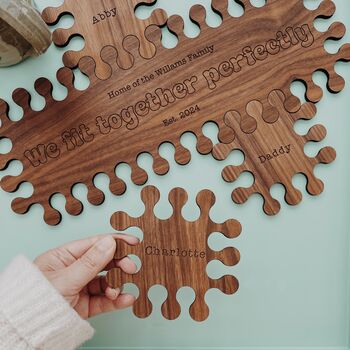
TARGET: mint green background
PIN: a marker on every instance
(294, 272)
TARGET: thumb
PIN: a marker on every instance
(89, 265)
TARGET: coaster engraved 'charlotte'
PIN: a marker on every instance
(175, 253)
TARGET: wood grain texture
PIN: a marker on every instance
(135, 110)
(274, 153)
(174, 253)
(103, 23)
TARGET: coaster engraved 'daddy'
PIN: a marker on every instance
(178, 90)
(276, 161)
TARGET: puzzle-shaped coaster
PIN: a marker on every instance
(277, 160)
(103, 23)
(159, 99)
(174, 253)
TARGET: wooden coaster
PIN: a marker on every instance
(103, 23)
(157, 100)
(174, 253)
(274, 153)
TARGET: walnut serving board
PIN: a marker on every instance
(174, 253)
(157, 99)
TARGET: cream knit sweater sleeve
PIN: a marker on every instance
(33, 315)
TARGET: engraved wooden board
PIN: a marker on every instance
(174, 253)
(158, 99)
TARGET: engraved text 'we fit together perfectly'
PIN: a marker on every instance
(129, 117)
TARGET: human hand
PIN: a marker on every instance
(74, 269)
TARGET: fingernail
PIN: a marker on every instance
(113, 294)
(104, 244)
(116, 293)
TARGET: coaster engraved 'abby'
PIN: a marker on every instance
(157, 100)
(102, 23)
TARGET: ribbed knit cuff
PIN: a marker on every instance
(37, 311)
